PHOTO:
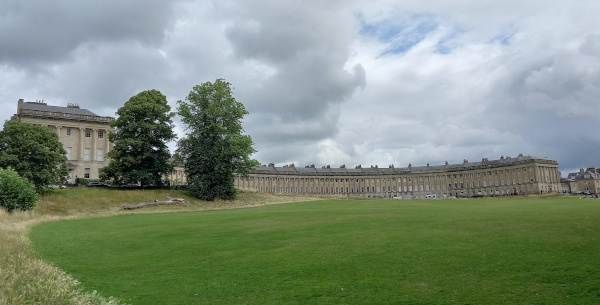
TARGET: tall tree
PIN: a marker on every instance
(35, 153)
(214, 148)
(144, 126)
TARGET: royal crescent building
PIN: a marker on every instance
(504, 176)
(83, 134)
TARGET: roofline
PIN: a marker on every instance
(359, 171)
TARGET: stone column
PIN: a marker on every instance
(94, 146)
(81, 132)
(107, 146)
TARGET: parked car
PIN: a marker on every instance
(98, 184)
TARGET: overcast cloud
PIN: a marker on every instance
(331, 82)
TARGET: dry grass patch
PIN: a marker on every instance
(26, 279)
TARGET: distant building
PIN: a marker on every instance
(83, 133)
(584, 181)
(505, 176)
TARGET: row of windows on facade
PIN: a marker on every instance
(350, 190)
(86, 154)
(88, 132)
(404, 179)
(427, 187)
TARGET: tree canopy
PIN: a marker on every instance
(35, 153)
(144, 126)
(214, 148)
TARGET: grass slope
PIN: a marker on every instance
(483, 251)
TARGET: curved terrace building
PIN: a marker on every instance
(520, 175)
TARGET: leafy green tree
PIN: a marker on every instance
(144, 126)
(35, 153)
(16, 193)
(214, 148)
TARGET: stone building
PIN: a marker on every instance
(83, 133)
(584, 181)
(520, 175)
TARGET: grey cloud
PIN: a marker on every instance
(34, 32)
(591, 45)
(307, 50)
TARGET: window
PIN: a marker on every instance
(86, 154)
(69, 152)
(69, 131)
(88, 133)
(101, 134)
(86, 173)
(100, 155)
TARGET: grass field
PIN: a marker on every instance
(510, 250)
(27, 279)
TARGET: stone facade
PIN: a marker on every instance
(520, 175)
(584, 181)
(83, 133)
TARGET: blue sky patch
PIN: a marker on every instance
(400, 35)
(448, 43)
(504, 38)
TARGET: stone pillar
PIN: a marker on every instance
(94, 146)
(107, 146)
(81, 132)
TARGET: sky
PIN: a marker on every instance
(331, 82)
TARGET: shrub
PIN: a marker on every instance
(16, 192)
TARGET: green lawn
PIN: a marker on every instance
(477, 251)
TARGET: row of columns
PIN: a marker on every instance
(93, 136)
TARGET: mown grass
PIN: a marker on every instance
(27, 279)
(481, 251)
